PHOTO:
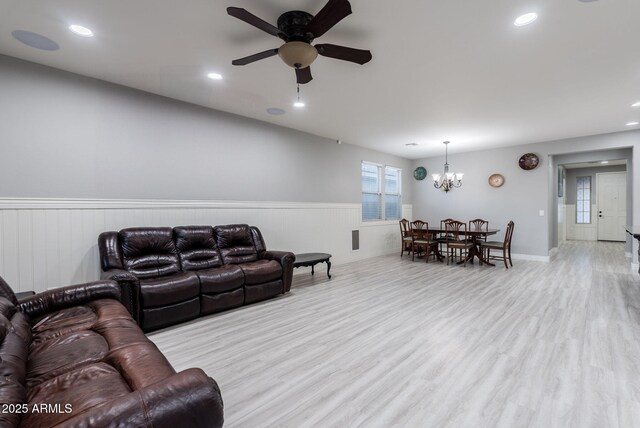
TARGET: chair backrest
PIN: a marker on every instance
(405, 228)
(443, 222)
(419, 225)
(509, 234)
(479, 225)
(456, 230)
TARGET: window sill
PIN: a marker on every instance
(375, 223)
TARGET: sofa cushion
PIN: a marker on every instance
(77, 391)
(261, 271)
(196, 247)
(223, 278)
(149, 252)
(62, 354)
(7, 292)
(235, 243)
(167, 290)
(164, 316)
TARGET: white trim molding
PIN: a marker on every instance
(47, 243)
(51, 203)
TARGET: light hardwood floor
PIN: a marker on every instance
(389, 342)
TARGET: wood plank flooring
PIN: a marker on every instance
(392, 343)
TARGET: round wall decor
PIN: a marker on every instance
(528, 161)
(496, 180)
(420, 173)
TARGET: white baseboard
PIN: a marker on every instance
(531, 257)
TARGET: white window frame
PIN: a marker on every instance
(583, 200)
(381, 192)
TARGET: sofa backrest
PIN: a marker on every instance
(258, 241)
(110, 251)
(15, 336)
(7, 292)
(196, 247)
(235, 243)
(149, 252)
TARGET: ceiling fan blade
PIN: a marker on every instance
(332, 13)
(359, 56)
(251, 19)
(303, 75)
(255, 57)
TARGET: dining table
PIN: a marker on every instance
(477, 236)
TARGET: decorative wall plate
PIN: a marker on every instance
(420, 173)
(496, 180)
(528, 161)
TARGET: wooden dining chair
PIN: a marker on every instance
(442, 238)
(505, 246)
(457, 240)
(479, 225)
(405, 234)
(423, 239)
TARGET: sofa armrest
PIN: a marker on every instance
(129, 288)
(72, 295)
(286, 259)
(188, 399)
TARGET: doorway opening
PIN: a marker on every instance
(594, 200)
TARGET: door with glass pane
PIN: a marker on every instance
(612, 205)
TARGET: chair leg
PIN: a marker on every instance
(504, 257)
(510, 262)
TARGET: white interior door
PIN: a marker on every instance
(612, 205)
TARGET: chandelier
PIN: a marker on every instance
(449, 180)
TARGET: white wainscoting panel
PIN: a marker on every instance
(47, 243)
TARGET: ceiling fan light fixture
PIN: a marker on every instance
(297, 54)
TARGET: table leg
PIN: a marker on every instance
(328, 269)
(312, 269)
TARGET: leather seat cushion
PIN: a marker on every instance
(218, 280)
(168, 290)
(58, 355)
(64, 321)
(261, 271)
(81, 389)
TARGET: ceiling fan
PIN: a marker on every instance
(298, 29)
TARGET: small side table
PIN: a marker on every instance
(24, 294)
(312, 259)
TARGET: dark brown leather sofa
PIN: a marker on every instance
(168, 276)
(74, 357)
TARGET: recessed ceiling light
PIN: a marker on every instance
(604, 161)
(525, 19)
(214, 76)
(35, 40)
(81, 31)
(276, 111)
(632, 123)
(298, 104)
(636, 104)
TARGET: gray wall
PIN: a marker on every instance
(67, 136)
(573, 174)
(524, 193)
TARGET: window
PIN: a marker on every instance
(381, 192)
(583, 200)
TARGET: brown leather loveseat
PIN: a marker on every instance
(170, 275)
(74, 357)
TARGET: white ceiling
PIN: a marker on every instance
(455, 70)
